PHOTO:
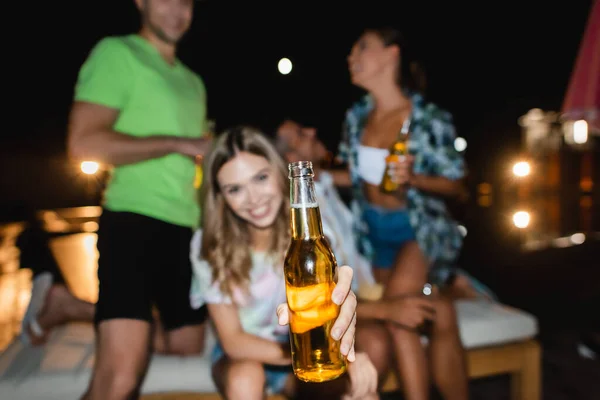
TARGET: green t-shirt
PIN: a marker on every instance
(154, 98)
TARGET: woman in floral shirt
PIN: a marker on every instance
(408, 233)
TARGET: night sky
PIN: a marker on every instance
(488, 63)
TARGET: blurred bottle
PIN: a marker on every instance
(398, 152)
(210, 133)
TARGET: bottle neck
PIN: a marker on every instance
(399, 146)
(403, 134)
(305, 218)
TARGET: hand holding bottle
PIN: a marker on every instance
(345, 324)
(400, 169)
(194, 147)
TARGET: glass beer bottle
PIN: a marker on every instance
(309, 269)
(398, 152)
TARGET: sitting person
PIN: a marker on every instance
(406, 231)
(52, 304)
(377, 339)
(237, 258)
(296, 142)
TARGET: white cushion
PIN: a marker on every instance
(62, 368)
(483, 323)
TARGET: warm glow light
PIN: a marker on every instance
(484, 200)
(577, 238)
(284, 66)
(460, 144)
(521, 219)
(89, 167)
(580, 131)
(484, 188)
(521, 169)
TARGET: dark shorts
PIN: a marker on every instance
(389, 230)
(144, 262)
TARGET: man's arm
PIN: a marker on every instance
(91, 136)
(104, 86)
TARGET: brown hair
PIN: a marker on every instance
(226, 244)
(411, 76)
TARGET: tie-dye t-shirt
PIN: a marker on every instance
(258, 309)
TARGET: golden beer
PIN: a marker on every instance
(309, 272)
(398, 151)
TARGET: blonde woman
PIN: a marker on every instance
(237, 259)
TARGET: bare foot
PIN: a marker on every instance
(55, 312)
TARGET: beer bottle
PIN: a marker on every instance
(309, 269)
(398, 152)
(198, 176)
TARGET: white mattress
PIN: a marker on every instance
(483, 323)
(61, 369)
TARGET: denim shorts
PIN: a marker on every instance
(389, 230)
(275, 376)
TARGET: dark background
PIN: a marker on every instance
(488, 63)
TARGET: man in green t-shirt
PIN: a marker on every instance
(138, 108)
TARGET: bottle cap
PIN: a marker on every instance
(300, 169)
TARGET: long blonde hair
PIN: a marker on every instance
(226, 244)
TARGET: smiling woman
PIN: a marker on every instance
(237, 257)
(241, 197)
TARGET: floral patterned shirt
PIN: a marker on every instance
(431, 142)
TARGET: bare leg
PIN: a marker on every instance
(183, 341)
(374, 339)
(61, 307)
(382, 275)
(122, 355)
(461, 289)
(411, 363)
(408, 277)
(186, 340)
(243, 380)
(448, 361)
(409, 273)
